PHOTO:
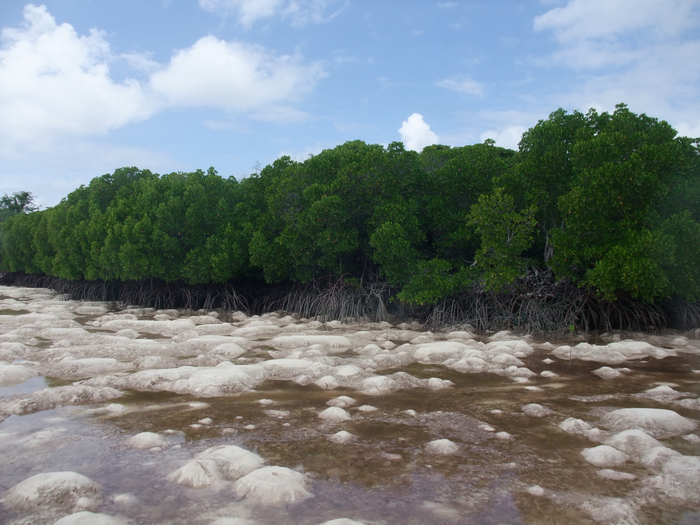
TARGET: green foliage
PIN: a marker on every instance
(18, 202)
(435, 280)
(505, 234)
(625, 167)
(610, 201)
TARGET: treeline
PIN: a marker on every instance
(607, 202)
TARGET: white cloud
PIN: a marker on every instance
(639, 52)
(233, 76)
(55, 83)
(597, 33)
(447, 5)
(416, 133)
(590, 19)
(465, 85)
(688, 129)
(507, 138)
(301, 12)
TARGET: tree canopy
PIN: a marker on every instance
(609, 201)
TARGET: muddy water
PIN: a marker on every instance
(385, 476)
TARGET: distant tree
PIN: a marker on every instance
(18, 202)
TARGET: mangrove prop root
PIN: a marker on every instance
(536, 303)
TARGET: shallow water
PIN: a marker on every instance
(385, 476)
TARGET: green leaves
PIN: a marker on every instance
(610, 201)
(613, 234)
(505, 234)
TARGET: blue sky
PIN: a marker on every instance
(87, 86)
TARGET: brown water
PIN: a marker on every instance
(385, 477)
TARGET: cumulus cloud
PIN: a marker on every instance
(592, 19)
(300, 12)
(232, 75)
(416, 133)
(56, 86)
(641, 52)
(55, 82)
(597, 33)
(507, 138)
(465, 85)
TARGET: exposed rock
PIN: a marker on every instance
(610, 511)
(437, 352)
(460, 335)
(535, 410)
(228, 350)
(327, 383)
(656, 422)
(171, 328)
(91, 309)
(663, 394)
(196, 474)
(334, 414)
(90, 518)
(515, 347)
(146, 440)
(604, 456)
(14, 374)
(606, 372)
(273, 486)
(299, 341)
(690, 404)
(444, 447)
(435, 383)
(656, 457)
(503, 436)
(378, 385)
(471, 365)
(679, 479)
(633, 442)
(342, 521)
(60, 490)
(536, 490)
(615, 475)
(128, 333)
(519, 372)
(343, 437)
(233, 521)
(225, 378)
(233, 462)
(291, 368)
(505, 360)
(342, 402)
(49, 398)
(87, 367)
(151, 362)
(575, 426)
(588, 352)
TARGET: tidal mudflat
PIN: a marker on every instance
(136, 416)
